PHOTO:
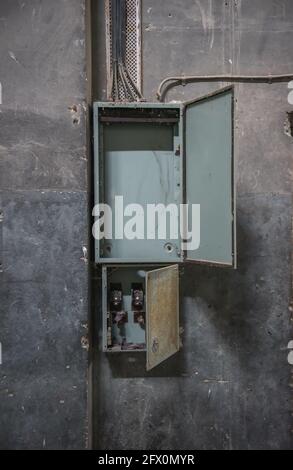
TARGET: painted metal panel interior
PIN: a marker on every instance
(130, 334)
(138, 161)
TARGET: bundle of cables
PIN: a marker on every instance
(122, 85)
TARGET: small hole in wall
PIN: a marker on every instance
(288, 125)
(73, 108)
(290, 119)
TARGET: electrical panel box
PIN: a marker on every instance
(141, 311)
(177, 155)
(151, 153)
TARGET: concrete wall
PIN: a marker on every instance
(44, 229)
(229, 387)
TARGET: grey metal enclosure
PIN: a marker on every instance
(167, 154)
(177, 156)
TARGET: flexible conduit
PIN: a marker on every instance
(171, 82)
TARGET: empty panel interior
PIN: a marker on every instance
(140, 161)
(125, 321)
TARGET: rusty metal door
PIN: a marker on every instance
(162, 307)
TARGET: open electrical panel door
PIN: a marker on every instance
(209, 175)
(162, 309)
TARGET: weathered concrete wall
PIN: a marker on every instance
(44, 205)
(229, 387)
